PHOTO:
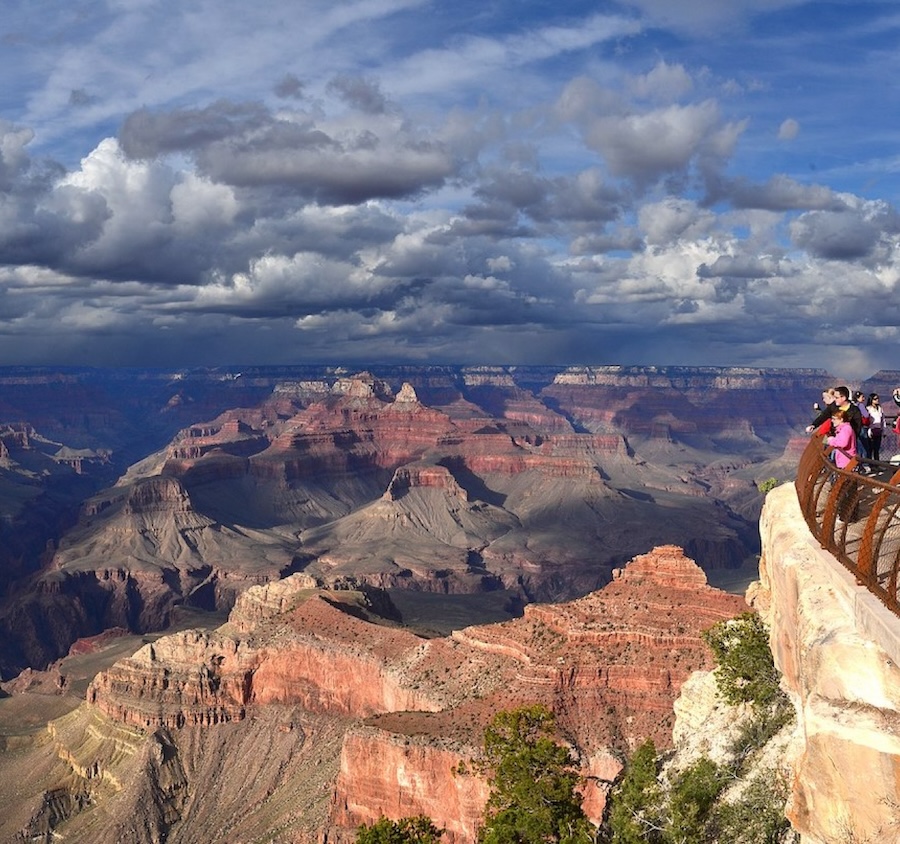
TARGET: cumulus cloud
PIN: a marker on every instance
(372, 182)
(840, 236)
(664, 83)
(788, 130)
(245, 145)
(646, 146)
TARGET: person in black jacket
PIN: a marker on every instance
(851, 412)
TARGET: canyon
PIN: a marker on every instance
(319, 714)
(491, 487)
(313, 586)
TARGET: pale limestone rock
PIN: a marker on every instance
(845, 685)
(407, 395)
(705, 725)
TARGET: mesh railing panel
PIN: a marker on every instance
(855, 515)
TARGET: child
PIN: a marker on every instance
(843, 441)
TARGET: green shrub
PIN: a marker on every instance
(767, 485)
(692, 795)
(745, 671)
(634, 814)
(416, 830)
(757, 816)
(533, 783)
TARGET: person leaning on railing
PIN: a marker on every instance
(842, 400)
(843, 441)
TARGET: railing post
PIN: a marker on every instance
(869, 547)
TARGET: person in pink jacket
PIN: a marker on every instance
(843, 440)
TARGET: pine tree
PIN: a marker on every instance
(533, 783)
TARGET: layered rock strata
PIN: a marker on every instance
(609, 664)
(533, 480)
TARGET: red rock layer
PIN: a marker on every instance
(610, 664)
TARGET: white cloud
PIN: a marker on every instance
(788, 130)
(646, 146)
(665, 83)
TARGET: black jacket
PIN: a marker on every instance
(854, 417)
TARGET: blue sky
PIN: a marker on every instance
(652, 181)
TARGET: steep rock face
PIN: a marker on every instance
(610, 665)
(375, 762)
(314, 655)
(836, 647)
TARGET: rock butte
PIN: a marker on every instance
(610, 664)
(537, 493)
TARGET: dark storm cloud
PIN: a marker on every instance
(247, 146)
(363, 94)
(747, 266)
(583, 198)
(779, 193)
(836, 236)
(147, 134)
(43, 222)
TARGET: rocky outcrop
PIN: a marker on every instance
(838, 649)
(610, 665)
(400, 775)
(534, 480)
(315, 655)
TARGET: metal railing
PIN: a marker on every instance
(854, 513)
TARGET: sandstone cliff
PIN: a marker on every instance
(837, 648)
(310, 665)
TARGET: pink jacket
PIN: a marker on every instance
(844, 442)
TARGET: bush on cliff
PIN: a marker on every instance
(745, 671)
(736, 800)
(416, 830)
(634, 812)
(533, 783)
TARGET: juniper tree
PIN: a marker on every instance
(533, 783)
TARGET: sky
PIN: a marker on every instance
(668, 182)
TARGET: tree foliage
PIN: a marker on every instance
(533, 783)
(745, 671)
(767, 485)
(415, 830)
(633, 810)
(758, 816)
(692, 796)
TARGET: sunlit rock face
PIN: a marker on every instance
(837, 648)
(531, 482)
(609, 664)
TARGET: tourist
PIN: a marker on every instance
(842, 400)
(863, 444)
(876, 425)
(823, 411)
(843, 445)
(844, 439)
